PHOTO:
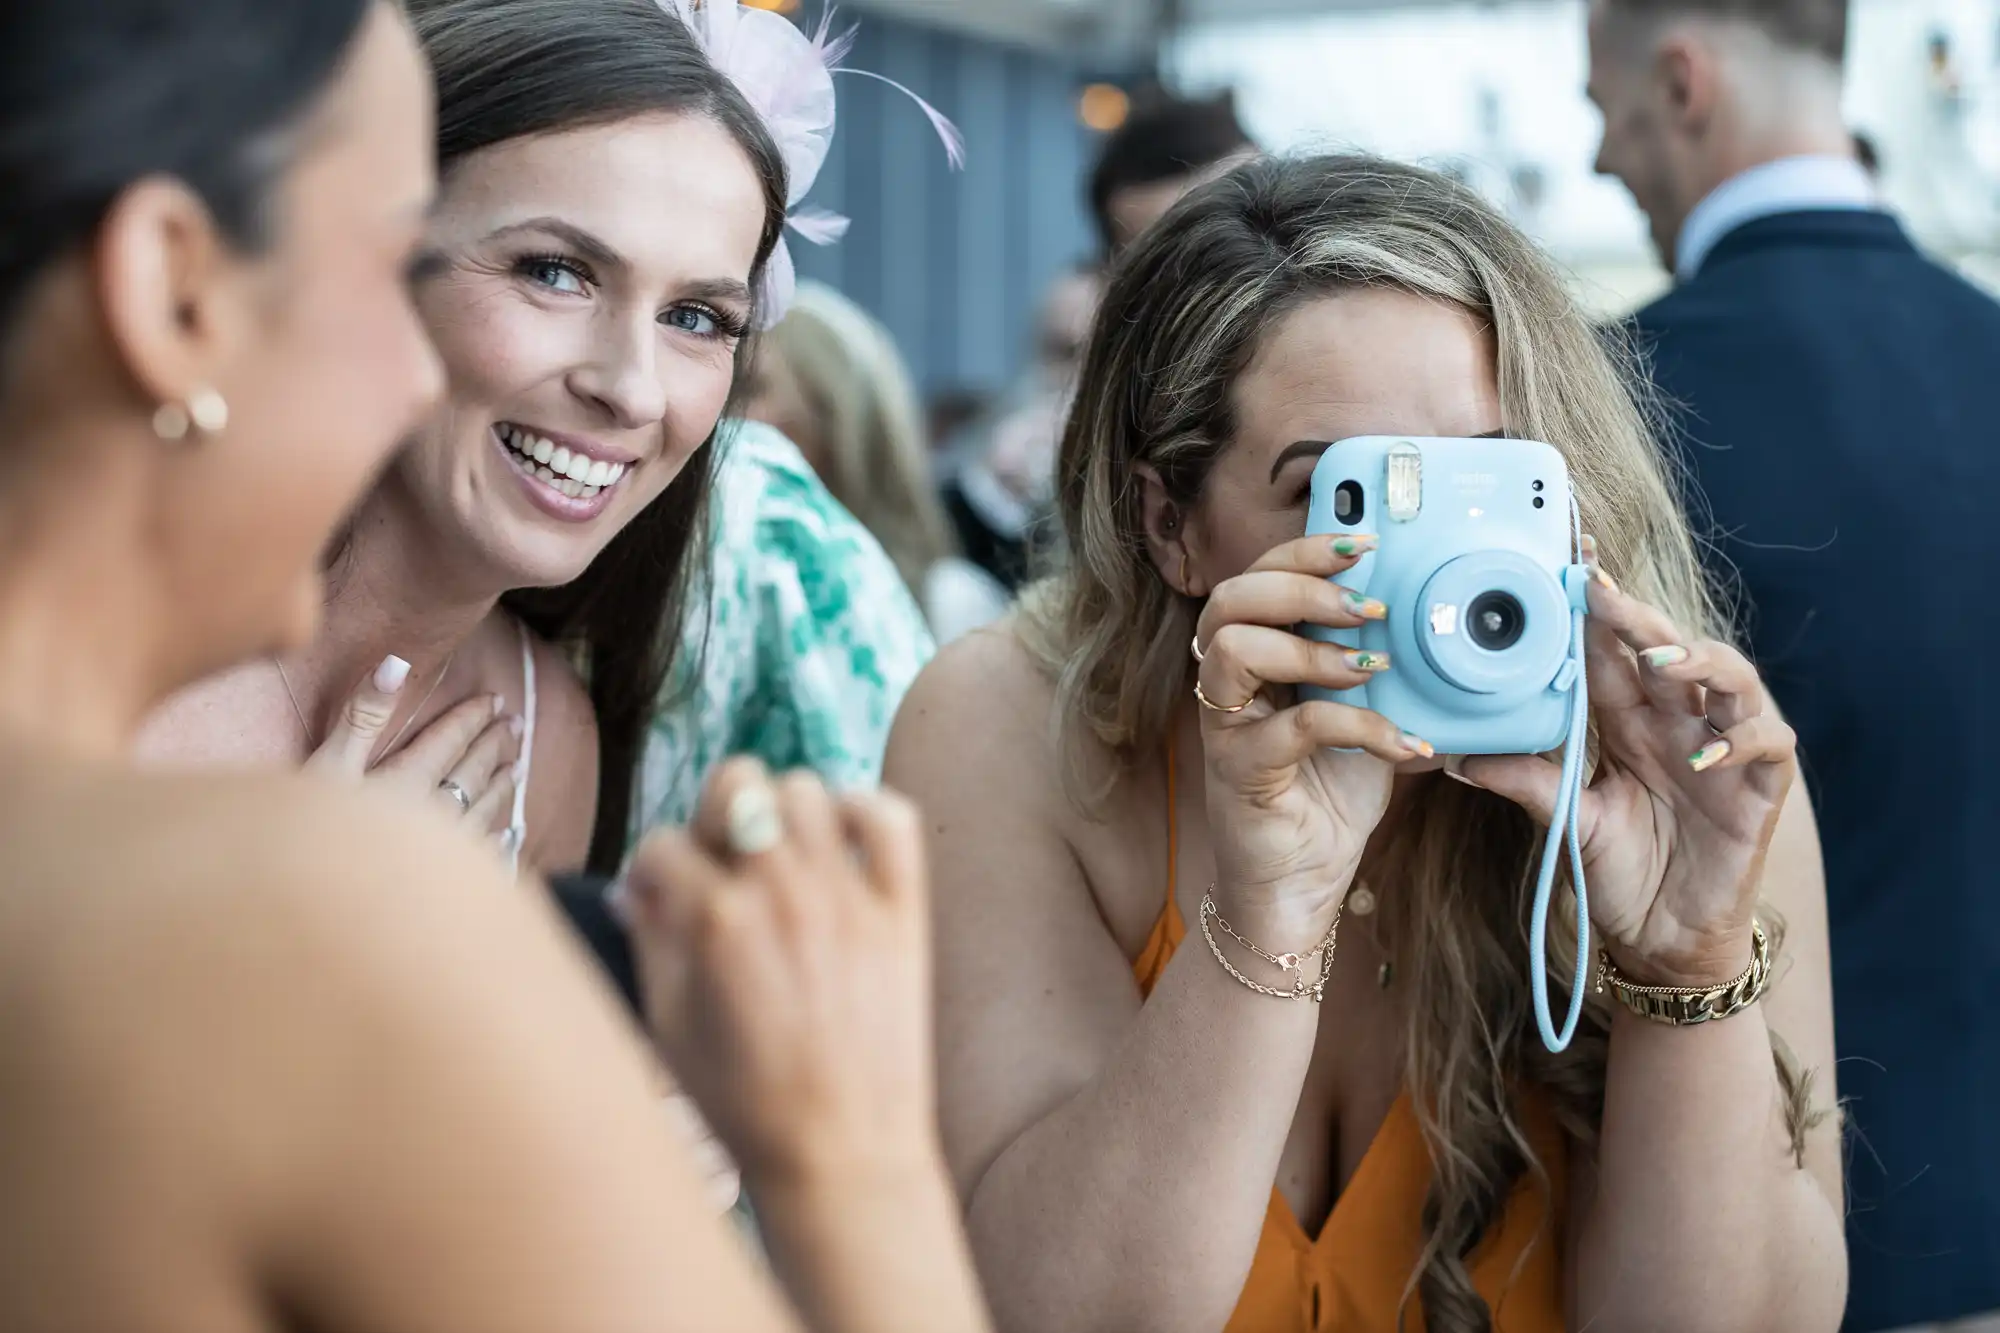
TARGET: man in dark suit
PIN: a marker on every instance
(1839, 399)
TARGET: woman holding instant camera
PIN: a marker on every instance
(1333, 1110)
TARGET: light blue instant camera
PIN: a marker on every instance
(1477, 565)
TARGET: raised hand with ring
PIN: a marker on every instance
(783, 943)
(463, 759)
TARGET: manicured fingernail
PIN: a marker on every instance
(389, 677)
(1354, 545)
(1665, 656)
(1418, 746)
(1368, 608)
(1453, 763)
(1709, 755)
(498, 704)
(1367, 661)
(517, 726)
(1587, 547)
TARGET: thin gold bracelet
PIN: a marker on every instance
(1292, 963)
(1686, 1006)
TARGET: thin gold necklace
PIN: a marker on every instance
(306, 727)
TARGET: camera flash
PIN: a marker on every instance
(1444, 618)
(1406, 482)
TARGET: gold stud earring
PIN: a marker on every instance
(1186, 587)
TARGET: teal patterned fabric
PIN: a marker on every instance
(812, 637)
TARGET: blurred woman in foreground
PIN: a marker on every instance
(277, 1055)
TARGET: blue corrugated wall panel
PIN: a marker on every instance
(954, 262)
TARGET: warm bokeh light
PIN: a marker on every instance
(1103, 107)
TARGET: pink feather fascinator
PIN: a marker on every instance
(786, 74)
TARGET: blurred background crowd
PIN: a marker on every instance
(971, 291)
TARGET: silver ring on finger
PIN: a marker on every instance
(459, 795)
(1194, 646)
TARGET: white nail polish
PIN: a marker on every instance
(389, 677)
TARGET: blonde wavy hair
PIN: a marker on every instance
(877, 459)
(1183, 315)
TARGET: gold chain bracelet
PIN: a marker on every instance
(1685, 1006)
(1292, 963)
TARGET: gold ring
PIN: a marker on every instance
(1194, 646)
(1202, 699)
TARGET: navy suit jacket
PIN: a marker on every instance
(1840, 405)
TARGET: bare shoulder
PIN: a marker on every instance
(240, 880)
(984, 685)
(236, 717)
(251, 937)
(562, 781)
(560, 693)
(1033, 987)
(262, 1021)
(986, 696)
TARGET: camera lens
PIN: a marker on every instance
(1495, 621)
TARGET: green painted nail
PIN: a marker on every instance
(1353, 545)
(1670, 655)
(1366, 661)
(1709, 755)
(1368, 608)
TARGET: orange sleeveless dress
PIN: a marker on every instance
(1351, 1277)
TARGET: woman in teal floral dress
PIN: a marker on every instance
(799, 648)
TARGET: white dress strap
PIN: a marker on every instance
(517, 826)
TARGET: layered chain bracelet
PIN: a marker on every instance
(1293, 964)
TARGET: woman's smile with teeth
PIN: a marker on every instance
(578, 476)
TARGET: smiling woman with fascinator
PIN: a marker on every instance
(617, 179)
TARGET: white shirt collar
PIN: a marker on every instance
(1788, 185)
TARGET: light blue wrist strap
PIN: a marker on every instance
(1562, 826)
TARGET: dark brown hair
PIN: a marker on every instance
(511, 68)
(1165, 137)
(98, 94)
(1818, 27)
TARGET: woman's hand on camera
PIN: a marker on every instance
(1294, 787)
(462, 761)
(782, 941)
(1693, 769)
